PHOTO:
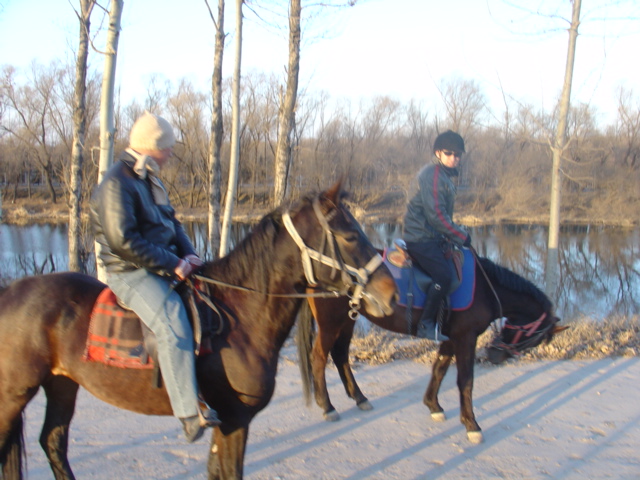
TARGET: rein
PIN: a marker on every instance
(529, 330)
(352, 277)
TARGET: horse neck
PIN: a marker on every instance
(266, 314)
(516, 305)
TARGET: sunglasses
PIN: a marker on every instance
(448, 153)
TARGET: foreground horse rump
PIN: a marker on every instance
(499, 293)
(44, 322)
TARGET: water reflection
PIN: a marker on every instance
(600, 267)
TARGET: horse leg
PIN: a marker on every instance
(465, 359)
(226, 458)
(439, 370)
(12, 451)
(14, 397)
(340, 355)
(61, 400)
(321, 346)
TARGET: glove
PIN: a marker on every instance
(194, 260)
(467, 241)
(184, 269)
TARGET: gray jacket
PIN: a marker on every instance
(430, 209)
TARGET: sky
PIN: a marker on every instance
(404, 49)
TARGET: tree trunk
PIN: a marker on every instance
(77, 150)
(287, 107)
(215, 140)
(107, 128)
(235, 134)
(553, 265)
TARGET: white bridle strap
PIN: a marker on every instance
(361, 274)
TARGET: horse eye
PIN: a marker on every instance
(350, 238)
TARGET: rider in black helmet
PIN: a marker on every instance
(429, 229)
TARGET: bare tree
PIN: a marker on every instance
(107, 126)
(286, 115)
(79, 130)
(235, 134)
(32, 109)
(558, 147)
(215, 139)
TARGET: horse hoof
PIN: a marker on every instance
(366, 406)
(438, 417)
(332, 416)
(475, 437)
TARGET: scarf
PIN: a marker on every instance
(147, 166)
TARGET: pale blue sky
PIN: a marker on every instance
(400, 48)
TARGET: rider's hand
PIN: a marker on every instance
(184, 269)
(194, 260)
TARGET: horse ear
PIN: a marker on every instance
(334, 194)
(557, 329)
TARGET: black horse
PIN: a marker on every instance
(44, 322)
(499, 293)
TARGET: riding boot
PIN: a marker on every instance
(428, 324)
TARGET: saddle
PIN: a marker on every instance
(118, 338)
(413, 282)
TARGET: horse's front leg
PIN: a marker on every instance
(340, 355)
(61, 395)
(226, 458)
(465, 359)
(321, 346)
(439, 370)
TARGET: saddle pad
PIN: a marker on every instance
(115, 335)
(461, 298)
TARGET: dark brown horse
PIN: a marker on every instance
(501, 293)
(44, 321)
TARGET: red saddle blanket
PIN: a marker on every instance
(115, 335)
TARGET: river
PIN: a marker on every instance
(600, 266)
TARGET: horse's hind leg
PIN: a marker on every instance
(54, 438)
(439, 370)
(340, 355)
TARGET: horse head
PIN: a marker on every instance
(517, 336)
(337, 255)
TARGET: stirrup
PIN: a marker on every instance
(207, 415)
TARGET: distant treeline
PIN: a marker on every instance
(377, 145)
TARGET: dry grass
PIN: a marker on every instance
(585, 339)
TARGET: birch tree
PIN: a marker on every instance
(235, 137)
(286, 116)
(107, 128)
(558, 146)
(215, 140)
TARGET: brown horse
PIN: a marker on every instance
(499, 293)
(44, 321)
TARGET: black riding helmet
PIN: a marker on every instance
(449, 140)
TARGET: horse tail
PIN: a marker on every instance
(12, 453)
(304, 338)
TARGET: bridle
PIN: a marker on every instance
(526, 336)
(355, 279)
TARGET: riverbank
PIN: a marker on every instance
(25, 211)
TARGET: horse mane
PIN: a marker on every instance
(247, 259)
(508, 279)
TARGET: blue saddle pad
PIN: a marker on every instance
(461, 298)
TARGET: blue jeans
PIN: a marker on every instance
(161, 309)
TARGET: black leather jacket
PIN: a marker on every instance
(132, 230)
